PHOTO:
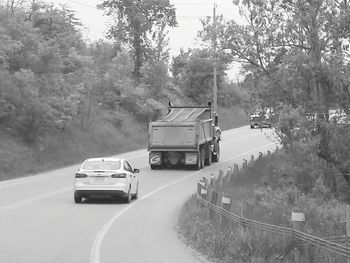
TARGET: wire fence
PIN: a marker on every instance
(329, 244)
(207, 195)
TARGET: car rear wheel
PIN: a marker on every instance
(127, 199)
(77, 198)
(136, 195)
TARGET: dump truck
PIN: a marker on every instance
(188, 136)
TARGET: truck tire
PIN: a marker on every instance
(202, 157)
(199, 160)
(208, 160)
(216, 155)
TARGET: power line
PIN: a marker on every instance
(82, 4)
(191, 17)
(203, 3)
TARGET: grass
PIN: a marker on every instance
(264, 193)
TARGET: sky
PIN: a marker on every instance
(188, 13)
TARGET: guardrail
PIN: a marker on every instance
(207, 195)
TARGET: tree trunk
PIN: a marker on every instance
(138, 52)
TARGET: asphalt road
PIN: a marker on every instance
(40, 223)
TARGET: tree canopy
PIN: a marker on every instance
(140, 26)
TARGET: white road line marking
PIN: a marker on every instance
(96, 246)
(37, 198)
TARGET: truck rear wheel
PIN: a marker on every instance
(199, 160)
(202, 157)
(216, 155)
(208, 160)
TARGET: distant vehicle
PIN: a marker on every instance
(338, 116)
(188, 136)
(106, 177)
(260, 119)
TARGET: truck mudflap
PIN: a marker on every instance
(191, 158)
(155, 158)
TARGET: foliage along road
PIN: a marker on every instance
(39, 221)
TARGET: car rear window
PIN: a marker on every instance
(101, 165)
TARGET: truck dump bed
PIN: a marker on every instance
(183, 127)
(185, 114)
(185, 137)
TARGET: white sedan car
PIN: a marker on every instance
(110, 177)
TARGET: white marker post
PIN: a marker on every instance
(204, 193)
(226, 205)
(200, 184)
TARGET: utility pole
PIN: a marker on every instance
(215, 89)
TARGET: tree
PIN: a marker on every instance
(193, 71)
(137, 24)
(291, 45)
(37, 43)
(292, 55)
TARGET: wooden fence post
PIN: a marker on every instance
(200, 184)
(251, 158)
(212, 180)
(204, 193)
(347, 227)
(213, 200)
(228, 176)
(243, 227)
(205, 180)
(298, 222)
(226, 205)
(235, 168)
(220, 178)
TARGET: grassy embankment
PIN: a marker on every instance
(264, 193)
(73, 145)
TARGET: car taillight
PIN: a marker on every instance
(80, 175)
(122, 175)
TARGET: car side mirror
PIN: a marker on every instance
(136, 170)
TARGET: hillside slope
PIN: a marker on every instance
(107, 136)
